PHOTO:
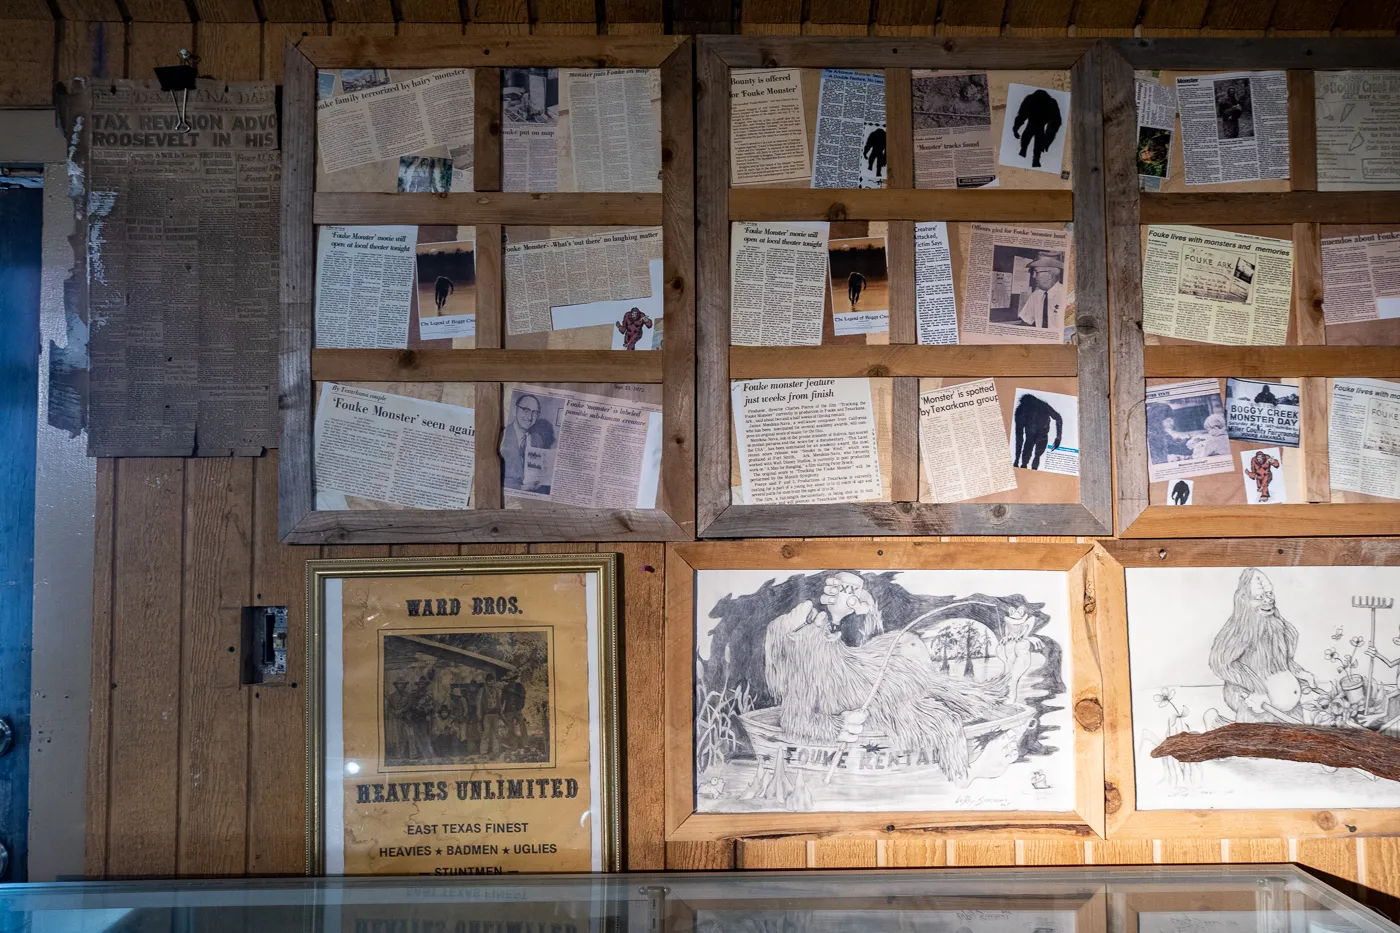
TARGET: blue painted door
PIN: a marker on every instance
(21, 213)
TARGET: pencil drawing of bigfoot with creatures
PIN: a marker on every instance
(843, 690)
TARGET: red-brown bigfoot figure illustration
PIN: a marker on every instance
(1261, 470)
(633, 324)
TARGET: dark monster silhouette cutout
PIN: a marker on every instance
(1040, 114)
(1033, 417)
(1180, 492)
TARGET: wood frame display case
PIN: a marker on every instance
(1120, 778)
(683, 822)
(1305, 209)
(904, 360)
(303, 209)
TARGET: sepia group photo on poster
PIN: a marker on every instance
(466, 702)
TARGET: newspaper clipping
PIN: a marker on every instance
(575, 448)
(767, 127)
(529, 129)
(860, 286)
(613, 131)
(1263, 412)
(962, 440)
(181, 271)
(952, 130)
(778, 283)
(1014, 286)
(392, 120)
(1039, 127)
(806, 441)
(1045, 432)
(392, 448)
(364, 285)
(850, 131)
(1361, 277)
(1363, 437)
(1234, 127)
(543, 274)
(1187, 434)
(1156, 116)
(1216, 287)
(1358, 130)
(935, 305)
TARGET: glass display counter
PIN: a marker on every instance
(1218, 899)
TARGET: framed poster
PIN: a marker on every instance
(462, 715)
(823, 685)
(1252, 687)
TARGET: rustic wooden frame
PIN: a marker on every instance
(1303, 207)
(718, 363)
(684, 824)
(1120, 780)
(488, 366)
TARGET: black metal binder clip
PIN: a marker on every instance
(184, 78)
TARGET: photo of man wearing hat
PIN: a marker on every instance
(1046, 299)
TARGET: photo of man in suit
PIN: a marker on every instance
(1039, 306)
(530, 428)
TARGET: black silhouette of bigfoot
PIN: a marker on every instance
(1041, 115)
(1180, 492)
(1033, 417)
(874, 152)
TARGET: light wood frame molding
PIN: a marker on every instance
(684, 824)
(490, 364)
(718, 362)
(1305, 209)
(1120, 779)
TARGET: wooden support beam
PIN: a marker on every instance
(1195, 360)
(1284, 207)
(1006, 205)
(910, 360)
(485, 207)
(485, 365)
(483, 52)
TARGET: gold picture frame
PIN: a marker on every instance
(504, 637)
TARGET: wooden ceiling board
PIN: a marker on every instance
(362, 11)
(158, 11)
(90, 50)
(25, 9)
(1052, 13)
(543, 28)
(405, 28)
(700, 16)
(230, 51)
(1305, 14)
(152, 44)
(986, 13)
(566, 11)
(227, 11)
(26, 63)
(89, 10)
(498, 11)
(633, 11)
(274, 43)
(339, 28)
(294, 11)
(771, 11)
(430, 11)
(1106, 14)
(906, 13)
(1173, 14)
(1362, 15)
(839, 11)
(1239, 14)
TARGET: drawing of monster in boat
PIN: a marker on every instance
(843, 690)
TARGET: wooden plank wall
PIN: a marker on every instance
(192, 774)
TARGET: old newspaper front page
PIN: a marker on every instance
(1361, 277)
(543, 274)
(1216, 287)
(962, 441)
(850, 150)
(935, 302)
(584, 449)
(767, 127)
(463, 729)
(391, 120)
(1014, 289)
(530, 129)
(1234, 127)
(1363, 437)
(392, 448)
(952, 130)
(614, 135)
(181, 264)
(777, 283)
(806, 441)
(1358, 130)
(364, 285)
